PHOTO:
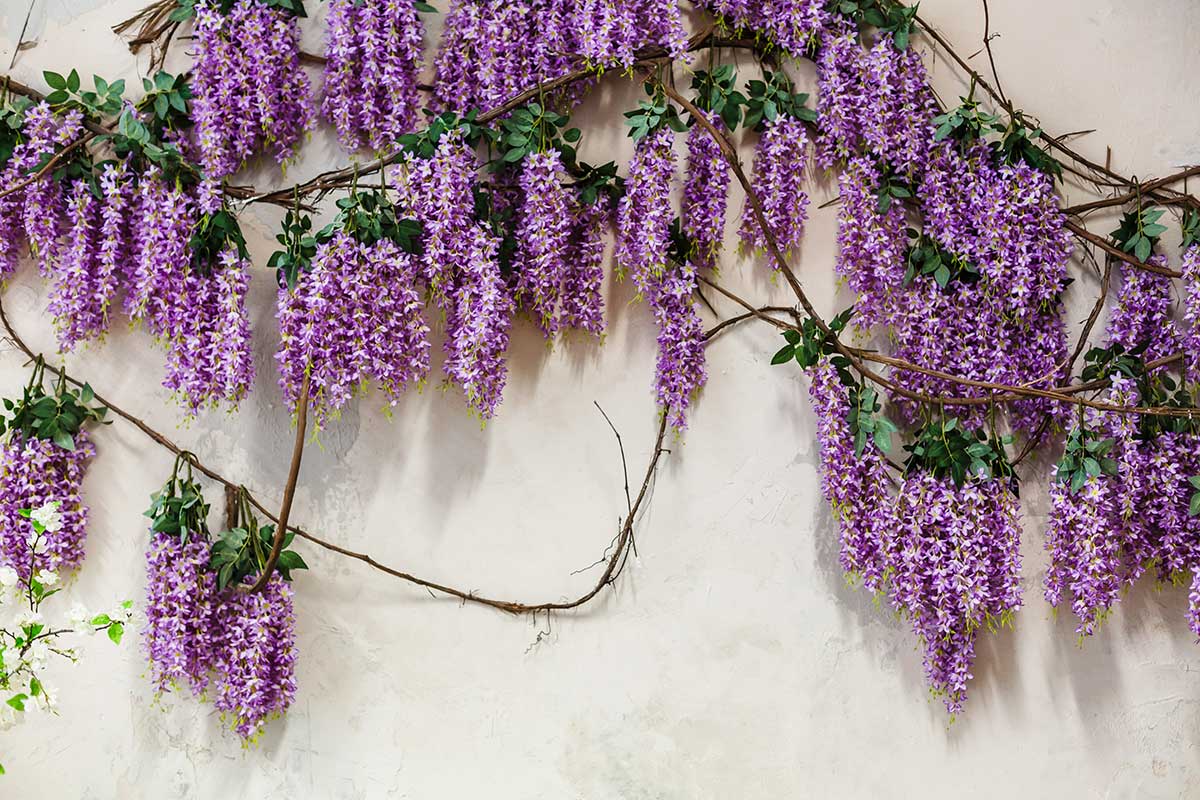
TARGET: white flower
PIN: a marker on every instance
(28, 617)
(9, 716)
(79, 618)
(47, 578)
(8, 577)
(38, 652)
(48, 517)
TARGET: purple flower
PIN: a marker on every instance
(34, 472)
(477, 326)
(373, 60)
(705, 193)
(644, 212)
(582, 298)
(543, 234)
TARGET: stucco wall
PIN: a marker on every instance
(731, 660)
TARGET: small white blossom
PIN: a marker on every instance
(47, 578)
(8, 577)
(79, 618)
(28, 617)
(48, 517)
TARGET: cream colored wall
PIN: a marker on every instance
(731, 660)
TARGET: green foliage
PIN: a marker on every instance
(887, 16)
(534, 129)
(243, 550)
(214, 234)
(715, 92)
(1019, 143)
(1191, 228)
(1139, 231)
(299, 247)
(423, 143)
(653, 114)
(926, 257)
(179, 508)
(1086, 456)
(1154, 388)
(944, 448)
(104, 100)
(891, 187)
(867, 422)
(591, 182)
(57, 417)
(810, 344)
(370, 216)
(1194, 505)
(772, 97)
(12, 118)
(967, 123)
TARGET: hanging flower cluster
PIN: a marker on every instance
(583, 278)
(250, 90)
(792, 25)
(706, 193)
(644, 214)
(353, 317)
(1121, 501)
(96, 250)
(204, 629)
(780, 159)
(44, 453)
(543, 233)
(945, 547)
(373, 60)
(477, 325)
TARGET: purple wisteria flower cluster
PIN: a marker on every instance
(956, 566)
(583, 281)
(947, 556)
(35, 213)
(706, 193)
(876, 99)
(33, 472)
(233, 646)
(644, 213)
(780, 160)
(353, 318)
(793, 25)
(1135, 516)
(96, 250)
(477, 325)
(250, 91)
(439, 193)
(543, 233)
(1191, 310)
(373, 61)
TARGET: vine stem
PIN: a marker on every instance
(289, 489)
(612, 564)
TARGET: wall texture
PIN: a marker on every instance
(731, 660)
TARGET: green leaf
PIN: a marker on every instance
(73, 81)
(54, 80)
(1194, 506)
(101, 619)
(115, 632)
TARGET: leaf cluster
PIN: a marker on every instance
(1086, 456)
(652, 114)
(12, 120)
(889, 17)
(214, 234)
(946, 449)
(1139, 231)
(244, 549)
(1190, 227)
(892, 187)
(810, 344)
(773, 97)
(534, 129)
(593, 181)
(715, 92)
(1155, 388)
(179, 508)
(926, 256)
(57, 417)
(423, 143)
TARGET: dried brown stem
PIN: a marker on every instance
(289, 489)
